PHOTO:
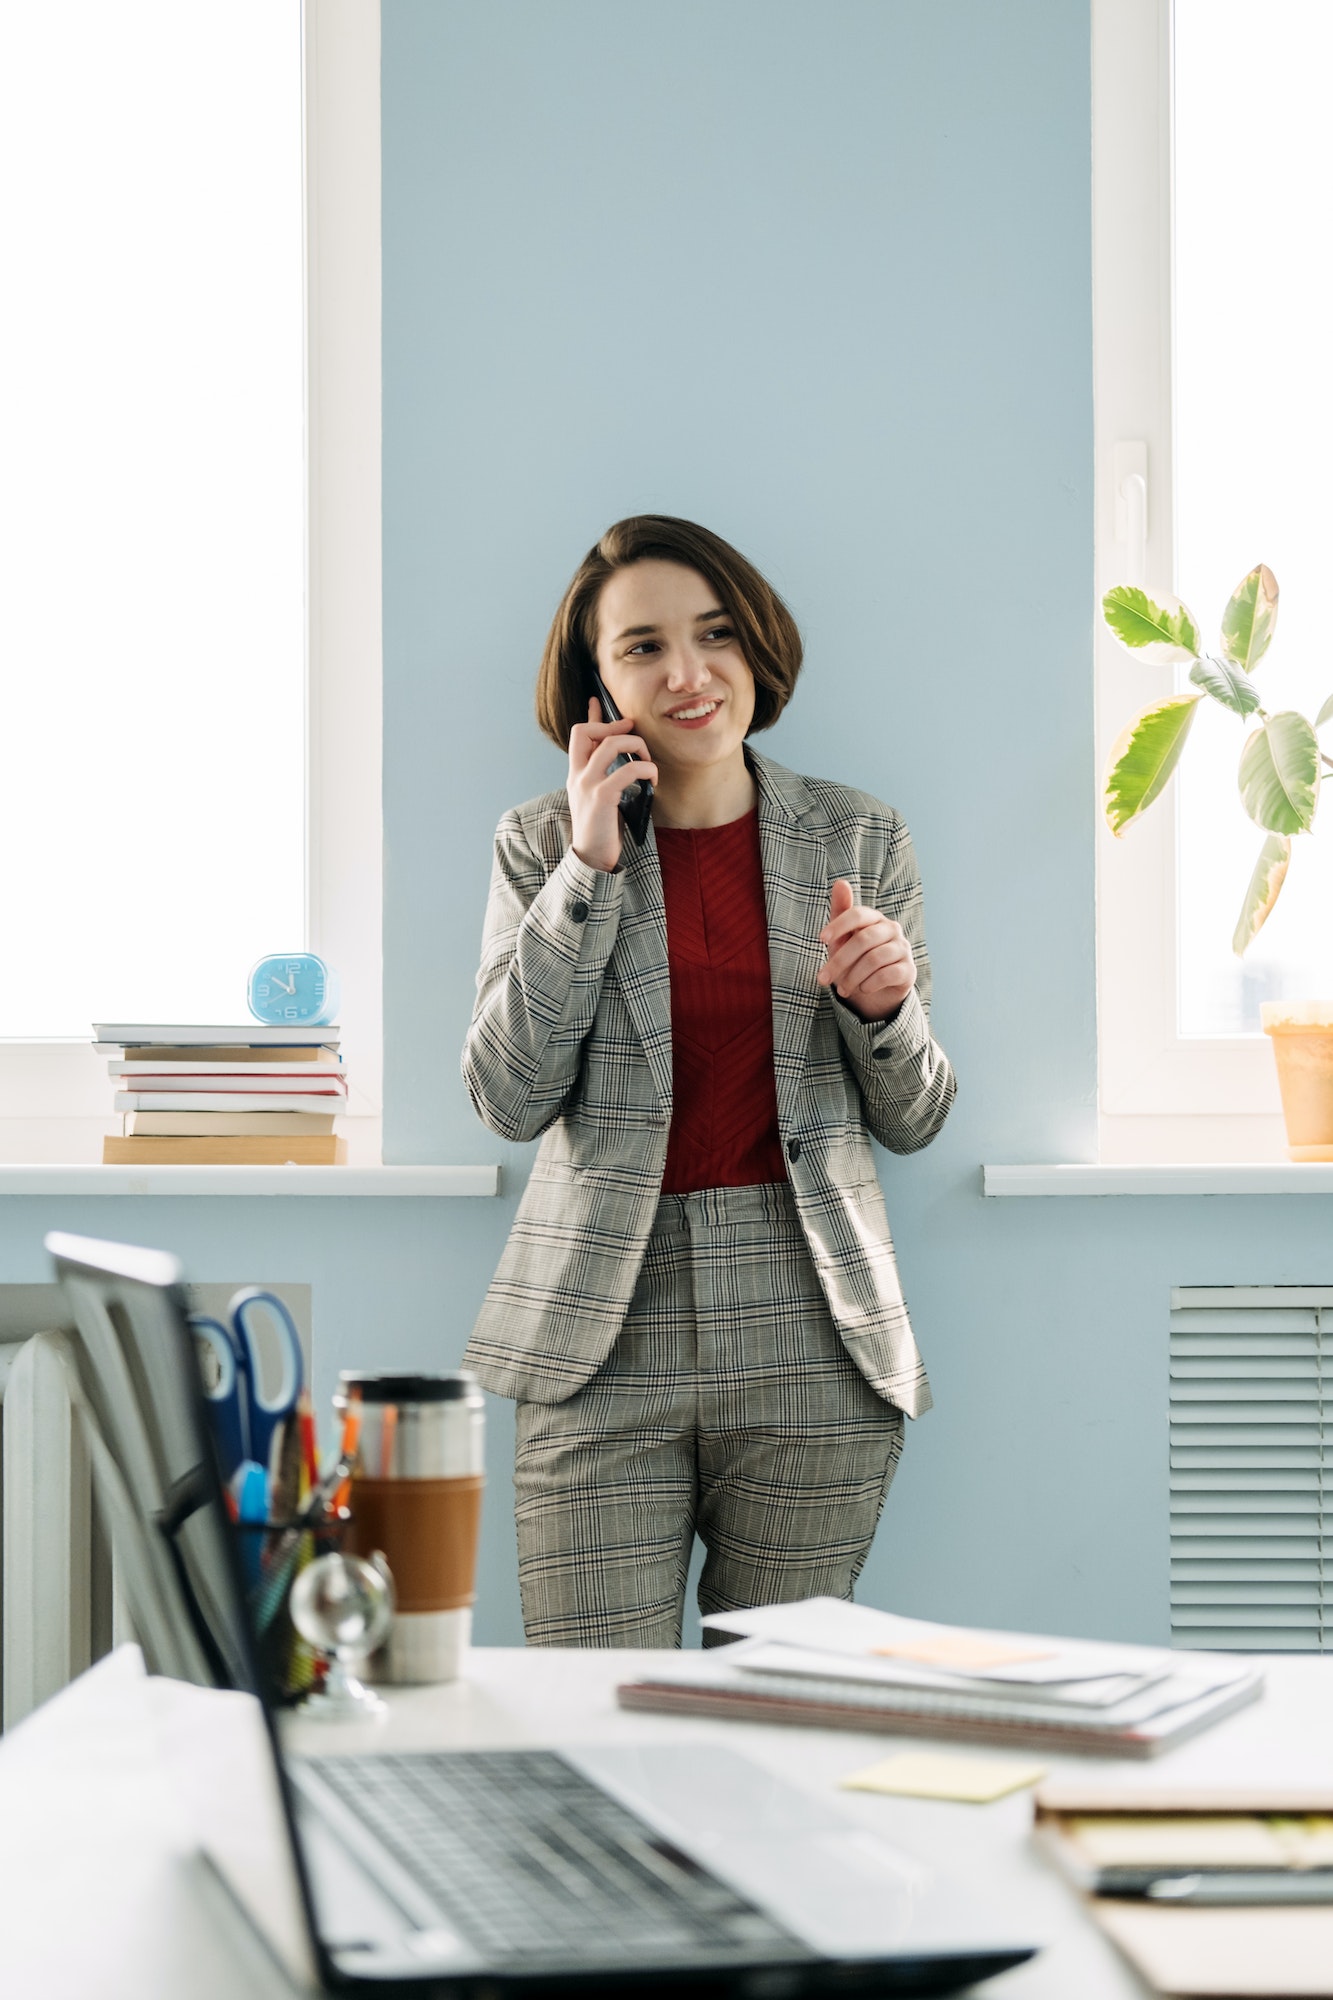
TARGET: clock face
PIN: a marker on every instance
(293, 987)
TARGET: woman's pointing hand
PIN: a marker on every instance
(870, 964)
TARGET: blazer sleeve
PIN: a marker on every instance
(907, 1082)
(547, 939)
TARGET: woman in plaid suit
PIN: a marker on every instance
(698, 1309)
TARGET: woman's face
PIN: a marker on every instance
(671, 661)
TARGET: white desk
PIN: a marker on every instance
(98, 1901)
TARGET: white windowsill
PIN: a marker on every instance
(1220, 1177)
(336, 1181)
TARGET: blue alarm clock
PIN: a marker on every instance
(294, 988)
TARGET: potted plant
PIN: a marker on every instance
(1279, 777)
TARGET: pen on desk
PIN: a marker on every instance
(1220, 1887)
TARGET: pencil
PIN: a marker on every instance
(301, 1657)
(309, 1446)
(288, 1459)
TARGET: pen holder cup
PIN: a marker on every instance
(273, 1554)
(416, 1498)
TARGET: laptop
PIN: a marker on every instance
(660, 1868)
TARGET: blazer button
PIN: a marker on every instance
(793, 1149)
(579, 912)
(881, 1054)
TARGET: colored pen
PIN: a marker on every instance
(347, 1452)
(250, 1486)
(309, 1446)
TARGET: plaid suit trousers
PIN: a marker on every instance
(728, 1407)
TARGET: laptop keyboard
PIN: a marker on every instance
(528, 1858)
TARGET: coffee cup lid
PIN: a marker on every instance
(371, 1388)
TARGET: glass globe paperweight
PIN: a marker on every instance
(344, 1606)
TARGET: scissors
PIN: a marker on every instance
(244, 1419)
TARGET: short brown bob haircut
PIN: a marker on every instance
(764, 626)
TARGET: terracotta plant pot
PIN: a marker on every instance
(1302, 1032)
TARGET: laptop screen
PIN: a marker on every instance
(139, 1397)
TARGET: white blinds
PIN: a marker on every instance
(1249, 1503)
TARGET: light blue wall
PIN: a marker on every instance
(819, 276)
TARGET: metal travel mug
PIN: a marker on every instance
(416, 1495)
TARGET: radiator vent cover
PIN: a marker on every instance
(1250, 1472)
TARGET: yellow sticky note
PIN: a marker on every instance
(935, 1774)
(962, 1651)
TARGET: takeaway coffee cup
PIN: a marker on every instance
(416, 1495)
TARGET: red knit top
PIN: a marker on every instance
(724, 1127)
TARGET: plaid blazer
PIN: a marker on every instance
(571, 1038)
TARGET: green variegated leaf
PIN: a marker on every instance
(1270, 872)
(1144, 756)
(1161, 629)
(1226, 684)
(1324, 713)
(1279, 774)
(1250, 619)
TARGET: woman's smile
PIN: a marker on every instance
(696, 716)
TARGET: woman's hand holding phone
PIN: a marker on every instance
(594, 784)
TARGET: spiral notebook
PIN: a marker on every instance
(843, 1666)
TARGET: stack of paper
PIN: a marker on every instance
(845, 1665)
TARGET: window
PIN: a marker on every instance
(1210, 160)
(1254, 165)
(199, 581)
(152, 507)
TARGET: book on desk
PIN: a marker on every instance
(1207, 1888)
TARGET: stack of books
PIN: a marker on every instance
(210, 1096)
(1211, 1878)
(845, 1666)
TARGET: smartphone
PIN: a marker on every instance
(636, 801)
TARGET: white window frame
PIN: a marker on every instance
(55, 1093)
(1162, 1096)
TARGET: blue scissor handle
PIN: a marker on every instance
(264, 1414)
(227, 1407)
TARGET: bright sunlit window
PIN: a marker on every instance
(152, 507)
(1253, 406)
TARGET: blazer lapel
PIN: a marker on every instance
(796, 890)
(639, 959)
